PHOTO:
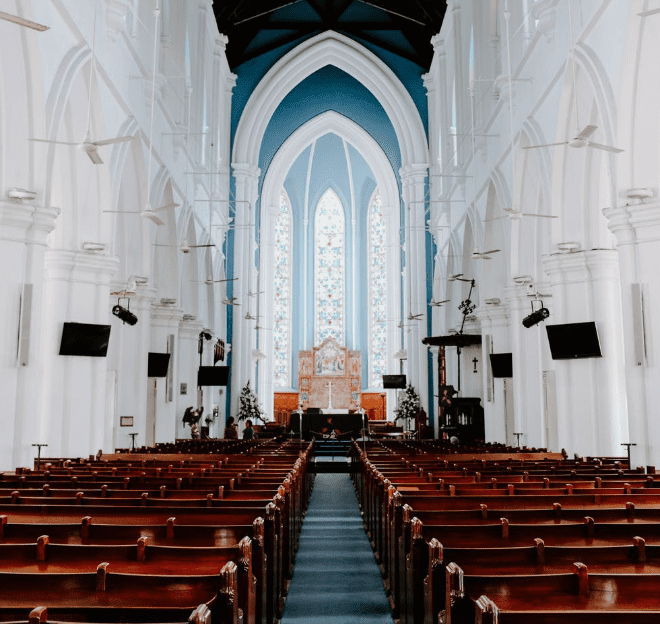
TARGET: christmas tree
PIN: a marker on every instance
(248, 405)
(408, 405)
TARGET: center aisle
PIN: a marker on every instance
(336, 578)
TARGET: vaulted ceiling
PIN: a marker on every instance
(401, 27)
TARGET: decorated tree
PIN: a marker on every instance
(248, 405)
(408, 406)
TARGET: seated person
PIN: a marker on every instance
(248, 432)
(231, 429)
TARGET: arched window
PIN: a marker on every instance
(282, 296)
(377, 293)
(329, 268)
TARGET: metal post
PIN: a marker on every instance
(629, 444)
(39, 454)
(133, 436)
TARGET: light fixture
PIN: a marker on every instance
(206, 334)
(536, 316)
(124, 314)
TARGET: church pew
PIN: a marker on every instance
(579, 596)
(141, 559)
(40, 615)
(113, 596)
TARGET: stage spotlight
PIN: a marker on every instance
(536, 317)
(205, 334)
(124, 315)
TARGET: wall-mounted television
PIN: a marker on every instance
(85, 339)
(573, 340)
(158, 364)
(394, 381)
(213, 376)
(501, 364)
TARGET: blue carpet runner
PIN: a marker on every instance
(335, 579)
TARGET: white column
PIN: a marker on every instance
(459, 73)
(266, 390)
(433, 408)
(165, 320)
(186, 372)
(132, 344)
(225, 82)
(637, 230)
(494, 331)
(526, 347)
(72, 407)
(591, 392)
(243, 334)
(23, 230)
(413, 182)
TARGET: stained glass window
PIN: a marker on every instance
(329, 268)
(377, 292)
(282, 295)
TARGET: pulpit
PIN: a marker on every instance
(329, 378)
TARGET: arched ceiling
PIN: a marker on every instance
(401, 27)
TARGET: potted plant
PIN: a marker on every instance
(408, 406)
(248, 405)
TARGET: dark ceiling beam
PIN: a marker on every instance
(356, 25)
(340, 6)
(420, 40)
(240, 56)
(318, 9)
(412, 57)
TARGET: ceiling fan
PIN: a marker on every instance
(256, 294)
(88, 145)
(21, 21)
(148, 212)
(208, 282)
(437, 304)
(483, 255)
(231, 301)
(184, 247)
(250, 317)
(514, 214)
(458, 277)
(650, 12)
(581, 139)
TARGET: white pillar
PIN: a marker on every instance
(72, 407)
(413, 186)
(186, 372)
(494, 339)
(243, 334)
(23, 231)
(637, 230)
(165, 320)
(526, 347)
(591, 392)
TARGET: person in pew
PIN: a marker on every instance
(194, 431)
(231, 429)
(248, 432)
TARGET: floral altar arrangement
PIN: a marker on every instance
(248, 405)
(408, 406)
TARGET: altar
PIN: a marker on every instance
(329, 378)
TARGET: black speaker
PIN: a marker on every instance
(158, 364)
(394, 381)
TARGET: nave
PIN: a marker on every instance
(210, 535)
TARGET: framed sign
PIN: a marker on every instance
(125, 421)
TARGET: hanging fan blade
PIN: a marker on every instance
(209, 282)
(21, 21)
(152, 216)
(647, 13)
(166, 207)
(536, 214)
(545, 145)
(439, 303)
(587, 131)
(414, 317)
(231, 301)
(606, 148)
(255, 294)
(111, 141)
(93, 155)
(55, 142)
(198, 246)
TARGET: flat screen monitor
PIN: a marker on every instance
(158, 364)
(573, 340)
(394, 381)
(85, 339)
(213, 376)
(501, 364)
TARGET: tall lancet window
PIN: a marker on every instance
(329, 268)
(282, 297)
(377, 292)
